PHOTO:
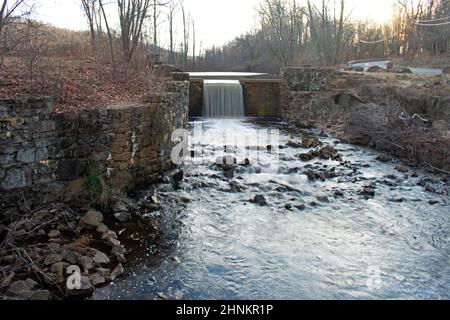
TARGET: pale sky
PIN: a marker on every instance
(217, 21)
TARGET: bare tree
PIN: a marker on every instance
(31, 49)
(90, 11)
(173, 6)
(330, 33)
(193, 44)
(273, 22)
(11, 11)
(110, 37)
(185, 44)
(157, 5)
(132, 14)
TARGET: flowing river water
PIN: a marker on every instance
(312, 240)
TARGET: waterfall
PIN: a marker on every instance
(223, 99)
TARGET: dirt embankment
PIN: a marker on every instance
(405, 115)
(423, 61)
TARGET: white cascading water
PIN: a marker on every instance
(223, 99)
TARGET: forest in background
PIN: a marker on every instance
(322, 32)
(115, 59)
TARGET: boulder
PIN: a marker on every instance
(328, 152)
(322, 198)
(229, 173)
(310, 142)
(325, 153)
(87, 263)
(59, 268)
(91, 220)
(294, 145)
(259, 200)
(54, 234)
(43, 216)
(367, 192)
(384, 157)
(118, 250)
(122, 216)
(226, 160)
(102, 228)
(110, 237)
(40, 295)
(312, 175)
(21, 286)
(98, 280)
(52, 279)
(54, 247)
(105, 273)
(401, 168)
(307, 156)
(71, 257)
(178, 176)
(338, 194)
(120, 206)
(245, 163)
(52, 259)
(8, 280)
(101, 258)
(117, 272)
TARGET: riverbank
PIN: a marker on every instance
(423, 61)
(44, 253)
(140, 242)
(63, 177)
(321, 171)
(406, 115)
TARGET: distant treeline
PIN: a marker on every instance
(322, 32)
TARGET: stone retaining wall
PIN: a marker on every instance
(46, 157)
(261, 97)
(196, 98)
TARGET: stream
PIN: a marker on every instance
(321, 239)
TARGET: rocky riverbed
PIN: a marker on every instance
(309, 217)
(47, 250)
(318, 223)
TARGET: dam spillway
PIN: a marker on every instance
(223, 99)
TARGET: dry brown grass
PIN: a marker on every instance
(406, 137)
(424, 61)
(67, 69)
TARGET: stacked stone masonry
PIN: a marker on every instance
(45, 156)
